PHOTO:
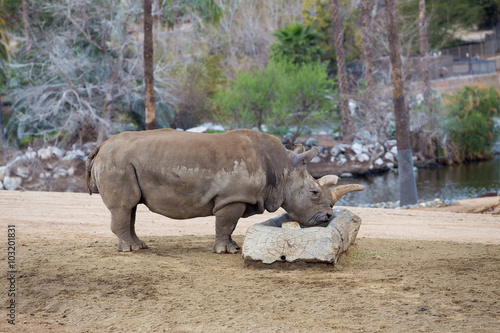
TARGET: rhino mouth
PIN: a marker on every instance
(319, 218)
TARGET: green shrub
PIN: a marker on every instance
(470, 122)
(282, 95)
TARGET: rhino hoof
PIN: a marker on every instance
(128, 247)
(225, 248)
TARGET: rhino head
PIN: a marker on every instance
(307, 200)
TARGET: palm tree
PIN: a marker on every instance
(338, 34)
(297, 42)
(407, 186)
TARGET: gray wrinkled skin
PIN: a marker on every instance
(183, 175)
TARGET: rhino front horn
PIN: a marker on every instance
(339, 191)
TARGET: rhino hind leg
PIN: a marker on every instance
(136, 239)
(123, 226)
(226, 219)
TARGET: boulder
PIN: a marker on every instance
(23, 172)
(4, 171)
(12, 183)
(270, 242)
(44, 153)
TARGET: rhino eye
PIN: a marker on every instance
(314, 192)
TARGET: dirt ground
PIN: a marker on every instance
(412, 270)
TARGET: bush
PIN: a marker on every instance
(283, 94)
(470, 122)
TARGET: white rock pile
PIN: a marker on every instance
(47, 163)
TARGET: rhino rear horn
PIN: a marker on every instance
(339, 191)
(298, 149)
(328, 180)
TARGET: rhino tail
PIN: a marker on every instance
(88, 167)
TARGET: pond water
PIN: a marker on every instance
(455, 182)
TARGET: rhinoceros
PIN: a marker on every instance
(184, 175)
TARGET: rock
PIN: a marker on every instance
(218, 127)
(268, 242)
(288, 137)
(352, 106)
(74, 155)
(316, 159)
(1, 185)
(198, 129)
(363, 157)
(366, 136)
(389, 156)
(59, 172)
(23, 172)
(346, 175)
(390, 143)
(4, 171)
(12, 183)
(59, 153)
(336, 150)
(357, 148)
(30, 154)
(379, 162)
(394, 151)
(341, 159)
(44, 153)
(310, 142)
(390, 165)
(71, 171)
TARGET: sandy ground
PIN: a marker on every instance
(432, 270)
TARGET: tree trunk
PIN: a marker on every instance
(424, 50)
(367, 43)
(148, 67)
(407, 186)
(3, 140)
(26, 23)
(338, 34)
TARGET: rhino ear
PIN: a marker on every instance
(305, 157)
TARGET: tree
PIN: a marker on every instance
(26, 22)
(447, 17)
(367, 43)
(347, 127)
(283, 95)
(424, 49)
(4, 58)
(209, 12)
(407, 185)
(150, 122)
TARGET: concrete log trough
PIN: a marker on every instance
(281, 240)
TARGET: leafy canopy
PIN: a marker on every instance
(470, 122)
(284, 94)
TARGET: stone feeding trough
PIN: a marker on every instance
(280, 239)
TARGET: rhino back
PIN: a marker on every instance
(184, 175)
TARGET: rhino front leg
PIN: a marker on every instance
(123, 226)
(226, 219)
